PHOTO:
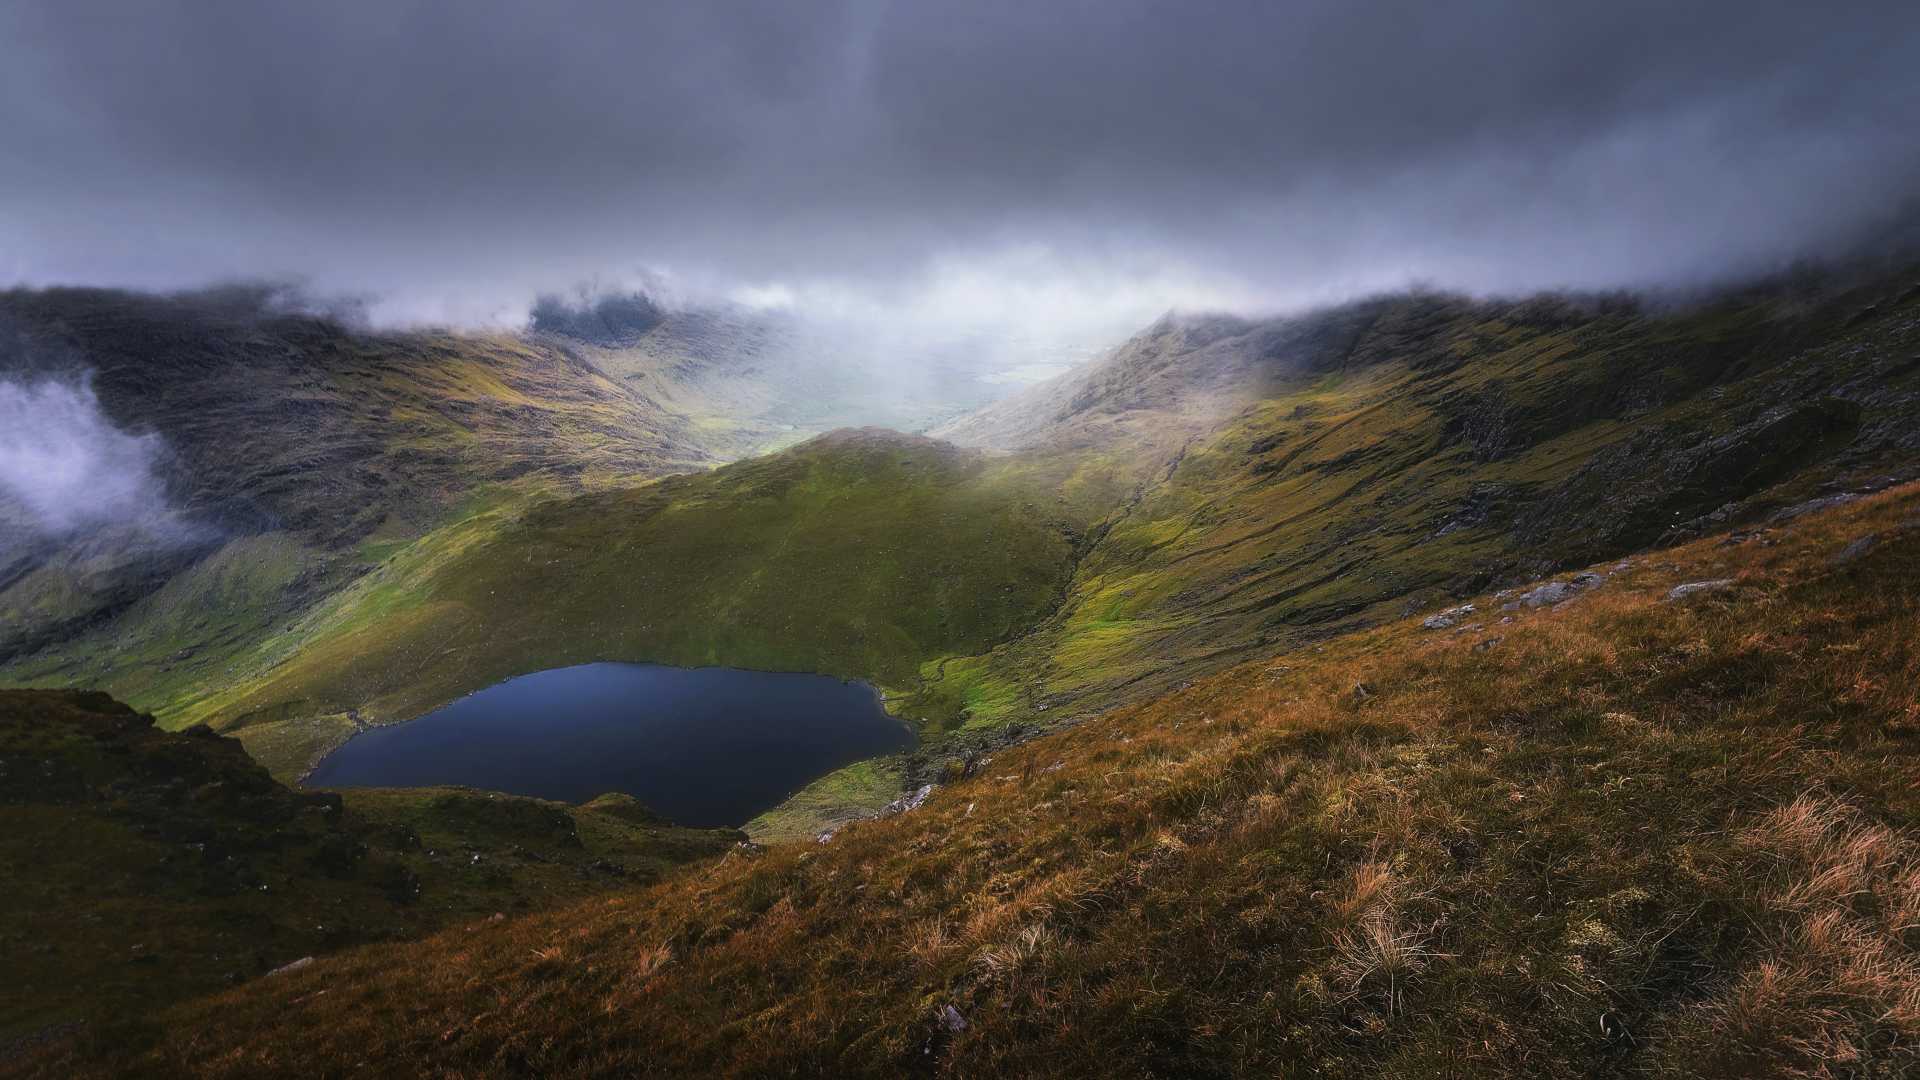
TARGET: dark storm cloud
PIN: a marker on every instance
(1249, 152)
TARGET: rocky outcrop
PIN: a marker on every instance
(1448, 618)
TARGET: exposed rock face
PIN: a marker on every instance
(1637, 491)
(610, 321)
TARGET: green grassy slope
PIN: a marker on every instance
(1629, 836)
(1310, 475)
(861, 553)
(144, 867)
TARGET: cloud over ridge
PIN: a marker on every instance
(488, 150)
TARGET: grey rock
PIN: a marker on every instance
(951, 1019)
(1811, 506)
(288, 968)
(1681, 592)
(1546, 595)
(1447, 618)
(1856, 549)
(909, 801)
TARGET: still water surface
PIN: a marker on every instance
(703, 746)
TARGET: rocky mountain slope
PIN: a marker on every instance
(1301, 476)
(291, 452)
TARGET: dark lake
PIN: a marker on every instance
(703, 746)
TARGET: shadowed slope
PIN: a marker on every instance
(144, 866)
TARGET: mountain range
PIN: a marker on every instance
(1240, 659)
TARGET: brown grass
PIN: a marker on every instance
(1634, 838)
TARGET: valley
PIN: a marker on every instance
(605, 540)
(1216, 510)
(1678, 801)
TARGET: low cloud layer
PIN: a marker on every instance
(452, 160)
(66, 469)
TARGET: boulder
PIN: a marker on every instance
(909, 801)
(1547, 595)
(1681, 592)
(1856, 549)
(285, 969)
(1447, 618)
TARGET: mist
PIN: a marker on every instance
(65, 469)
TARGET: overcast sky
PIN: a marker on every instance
(1095, 161)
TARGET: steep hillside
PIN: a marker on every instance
(1652, 830)
(861, 553)
(297, 452)
(1302, 476)
(144, 867)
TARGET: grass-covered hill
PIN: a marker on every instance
(144, 867)
(1646, 831)
(1295, 477)
(859, 553)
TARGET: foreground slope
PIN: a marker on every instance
(1629, 834)
(144, 867)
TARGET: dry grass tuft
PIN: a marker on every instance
(1835, 988)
